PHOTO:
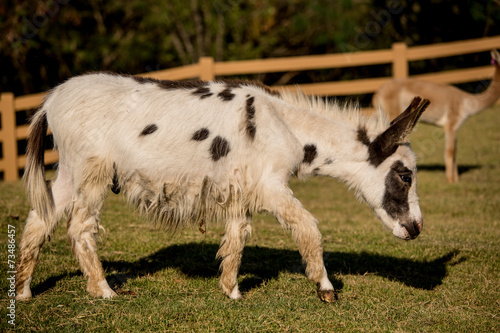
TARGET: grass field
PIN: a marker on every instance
(446, 280)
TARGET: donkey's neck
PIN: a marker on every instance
(330, 147)
(478, 102)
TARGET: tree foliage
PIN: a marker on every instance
(47, 41)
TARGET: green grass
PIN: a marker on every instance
(447, 280)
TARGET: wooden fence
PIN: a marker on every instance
(12, 161)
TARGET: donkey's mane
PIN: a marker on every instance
(349, 112)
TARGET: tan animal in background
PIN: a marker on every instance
(449, 108)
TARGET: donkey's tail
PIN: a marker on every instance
(37, 187)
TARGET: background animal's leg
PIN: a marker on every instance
(231, 250)
(292, 216)
(83, 229)
(37, 231)
(450, 155)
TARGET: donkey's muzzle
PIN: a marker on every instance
(408, 230)
(413, 229)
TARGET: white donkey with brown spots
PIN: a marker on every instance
(194, 151)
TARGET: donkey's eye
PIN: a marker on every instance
(406, 178)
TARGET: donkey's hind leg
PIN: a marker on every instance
(83, 226)
(37, 231)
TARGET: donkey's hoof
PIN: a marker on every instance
(102, 293)
(109, 293)
(23, 297)
(235, 294)
(101, 290)
(327, 296)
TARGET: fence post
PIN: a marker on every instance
(400, 61)
(207, 68)
(9, 144)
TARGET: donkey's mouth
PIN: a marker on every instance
(407, 231)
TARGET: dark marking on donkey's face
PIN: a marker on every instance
(200, 134)
(310, 153)
(250, 120)
(149, 130)
(219, 148)
(395, 201)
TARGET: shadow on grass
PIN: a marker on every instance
(441, 168)
(261, 264)
(52, 281)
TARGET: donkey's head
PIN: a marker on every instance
(390, 185)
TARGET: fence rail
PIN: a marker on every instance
(400, 55)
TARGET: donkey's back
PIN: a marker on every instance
(181, 151)
(162, 126)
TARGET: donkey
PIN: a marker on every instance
(192, 151)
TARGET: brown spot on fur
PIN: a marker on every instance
(219, 148)
(149, 130)
(363, 136)
(250, 119)
(115, 187)
(226, 94)
(250, 83)
(201, 134)
(203, 92)
(170, 85)
(233, 83)
(310, 153)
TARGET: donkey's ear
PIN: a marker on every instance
(406, 121)
(386, 143)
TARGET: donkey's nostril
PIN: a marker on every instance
(420, 224)
(413, 228)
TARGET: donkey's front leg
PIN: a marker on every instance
(304, 227)
(238, 228)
